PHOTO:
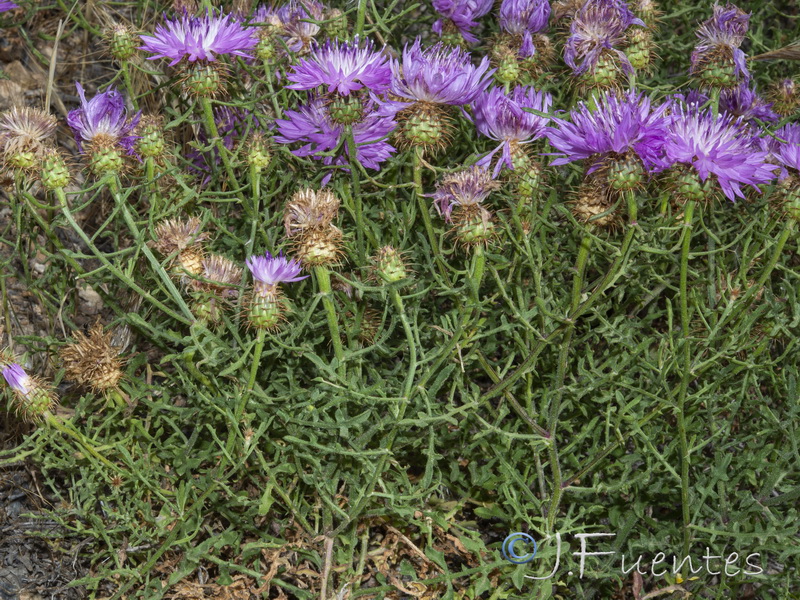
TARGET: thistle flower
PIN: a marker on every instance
(743, 101)
(93, 361)
(265, 308)
(438, 75)
(465, 191)
(595, 32)
(292, 23)
(312, 124)
(102, 128)
(6, 5)
(460, 15)
(501, 117)
(524, 17)
(199, 39)
(717, 58)
(24, 133)
(31, 396)
(701, 145)
(787, 153)
(625, 135)
(184, 238)
(342, 67)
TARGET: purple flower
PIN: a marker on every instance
(293, 21)
(439, 75)
(199, 38)
(462, 13)
(786, 149)
(719, 146)
(272, 270)
(618, 126)
(597, 27)
(312, 124)
(524, 18)
(502, 118)
(343, 67)
(720, 38)
(104, 116)
(466, 189)
(743, 101)
(17, 378)
(4, 6)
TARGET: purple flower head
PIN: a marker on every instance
(199, 38)
(599, 26)
(719, 146)
(17, 378)
(4, 6)
(720, 38)
(521, 17)
(466, 189)
(312, 125)
(786, 150)
(439, 74)
(462, 13)
(293, 21)
(743, 101)
(272, 270)
(502, 118)
(342, 67)
(103, 116)
(618, 126)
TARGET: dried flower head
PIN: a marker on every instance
(220, 277)
(93, 361)
(785, 96)
(24, 133)
(595, 205)
(31, 396)
(184, 237)
(310, 210)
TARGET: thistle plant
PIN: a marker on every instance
(316, 300)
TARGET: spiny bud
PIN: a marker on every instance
(258, 155)
(92, 361)
(606, 73)
(625, 173)
(389, 265)
(346, 110)
(122, 42)
(508, 70)
(185, 238)
(473, 227)
(151, 136)
(265, 312)
(689, 187)
(789, 193)
(204, 80)
(451, 35)
(425, 125)
(717, 69)
(527, 172)
(266, 49)
(640, 48)
(104, 155)
(31, 397)
(320, 247)
(54, 172)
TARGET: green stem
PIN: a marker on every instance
(360, 17)
(426, 217)
(251, 382)
(356, 194)
(154, 263)
(255, 201)
(126, 76)
(561, 372)
(412, 348)
(478, 268)
(56, 424)
(324, 284)
(213, 134)
(688, 215)
(114, 270)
